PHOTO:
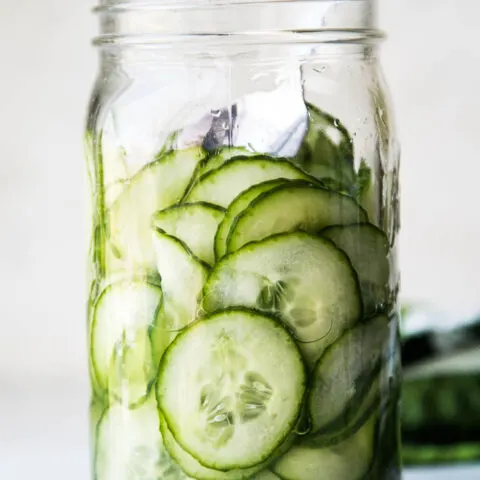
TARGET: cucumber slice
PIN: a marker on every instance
(304, 280)
(122, 356)
(327, 149)
(222, 185)
(183, 276)
(97, 389)
(191, 466)
(367, 248)
(216, 161)
(344, 374)
(129, 446)
(235, 208)
(231, 388)
(114, 190)
(355, 418)
(293, 206)
(265, 475)
(156, 187)
(195, 224)
(350, 459)
(96, 413)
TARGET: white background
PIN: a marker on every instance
(432, 62)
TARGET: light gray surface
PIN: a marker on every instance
(470, 472)
(43, 429)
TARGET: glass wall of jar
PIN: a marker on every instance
(243, 300)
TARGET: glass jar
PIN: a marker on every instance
(243, 317)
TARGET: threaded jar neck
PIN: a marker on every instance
(161, 21)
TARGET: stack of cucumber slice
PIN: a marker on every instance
(244, 332)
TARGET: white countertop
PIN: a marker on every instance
(44, 434)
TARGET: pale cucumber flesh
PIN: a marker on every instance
(236, 207)
(195, 224)
(296, 206)
(241, 382)
(182, 278)
(303, 280)
(130, 446)
(350, 459)
(367, 248)
(238, 324)
(333, 393)
(193, 467)
(123, 357)
(222, 185)
(216, 161)
(157, 186)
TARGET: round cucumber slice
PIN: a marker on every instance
(344, 374)
(236, 207)
(195, 224)
(191, 466)
(222, 185)
(123, 358)
(350, 459)
(231, 388)
(367, 248)
(289, 207)
(356, 416)
(304, 280)
(182, 276)
(129, 446)
(216, 161)
(157, 186)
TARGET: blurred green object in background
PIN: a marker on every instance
(441, 390)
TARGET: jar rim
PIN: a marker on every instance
(237, 21)
(122, 5)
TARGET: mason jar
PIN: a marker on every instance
(242, 314)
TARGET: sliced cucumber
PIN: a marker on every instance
(129, 446)
(231, 388)
(350, 459)
(236, 207)
(355, 418)
(216, 161)
(290, 207)
(222, 185)
(114, 190)
(304, 280)
(265, 475)
(327, 149)
(98, 390)
(343, 376)
(191, 466)
(195, 224)
(123, 359)
(156, 187)
(367, 248)
(96, 413)
(182, 276)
